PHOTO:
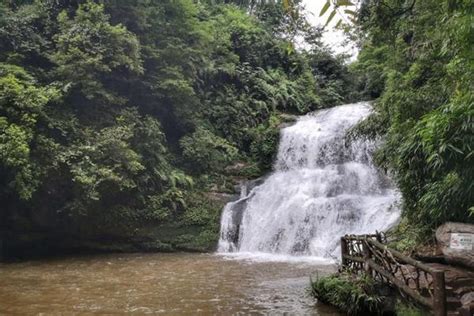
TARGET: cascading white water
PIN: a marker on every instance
(323, 187)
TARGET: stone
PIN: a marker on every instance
(467, 299)
(467, 305)
(456, 242)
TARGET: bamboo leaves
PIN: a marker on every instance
(340, 3)
(331, 16)
(325, 8)
(336, 4)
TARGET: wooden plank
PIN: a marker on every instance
(437, 304)
(344, 251)
(402, 286)
(356, 259)
(367, 255)
(439, 297)
(403, 258)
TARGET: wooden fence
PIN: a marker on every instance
(368, 254)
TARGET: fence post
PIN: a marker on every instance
(367, 256)
(439, 294)
(344, 251)
(3, 245)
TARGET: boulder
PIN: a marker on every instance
(467, 305)
(249, 185)
(456, 242)
(467, 299)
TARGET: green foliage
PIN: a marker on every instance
(202, 210)
(111, 111)
(88, 48)
(403, 309)
(265, 142)
(103, 157)
(407, 237)
(417, 57)
(336, 5)
(438, 159)
(206, 151)
(370, 70)
(336, 85)
(355, 295)
(22, 104)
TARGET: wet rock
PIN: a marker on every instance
(467, 299)
(249, 185)
(467, 304)
(237, 212)
(235, 168)
(287, 120)
(456, 242)
(222, 197)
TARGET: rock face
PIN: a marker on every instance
(456, 242)
(467, 302)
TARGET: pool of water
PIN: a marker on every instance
(172, 284)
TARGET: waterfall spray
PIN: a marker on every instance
(323, 186)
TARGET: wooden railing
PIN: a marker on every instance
(368, 254)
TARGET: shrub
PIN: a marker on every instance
(205, 151)
(352, 294)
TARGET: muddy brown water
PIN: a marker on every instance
(168, 284)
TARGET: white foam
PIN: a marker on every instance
(322, 188)
(269, 257)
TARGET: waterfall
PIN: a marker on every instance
(323, 186)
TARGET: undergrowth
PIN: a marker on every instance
(354, 295)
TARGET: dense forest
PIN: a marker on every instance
(417, 61)
(124, 123)
(128, 127)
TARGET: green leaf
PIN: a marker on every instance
(455, 149)
(331, 16)
(351, 12)
(338, 23)
(325, 8)
(340, 3)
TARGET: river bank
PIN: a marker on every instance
(164, 239)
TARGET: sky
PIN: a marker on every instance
(333, 38)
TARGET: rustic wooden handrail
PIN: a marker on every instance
(367, 254)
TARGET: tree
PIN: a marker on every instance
(90, 51)
(22, 141)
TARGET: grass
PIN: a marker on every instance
(354, 295)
